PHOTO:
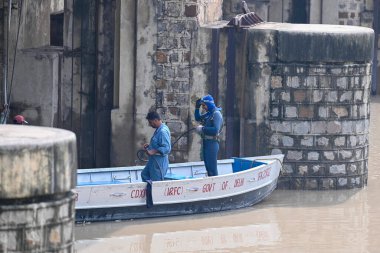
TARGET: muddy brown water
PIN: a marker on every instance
(288, 221)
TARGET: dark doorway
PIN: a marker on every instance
(299, 12)
(56, 29)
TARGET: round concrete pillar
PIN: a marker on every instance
(319, 78)
(37, 173)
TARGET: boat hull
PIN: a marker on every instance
(205, 206)
(102, 196)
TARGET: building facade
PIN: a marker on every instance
(97, 67)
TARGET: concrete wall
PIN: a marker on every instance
(123, 114)
(35, 92)
(134, 81)
(279, 10)
(40, 68)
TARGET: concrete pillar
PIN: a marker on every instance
(37, 172)
(310, 85)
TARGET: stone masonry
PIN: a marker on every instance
(37, 175)
(178, 22)
(349, 13)
(319, 106)
(320, 120)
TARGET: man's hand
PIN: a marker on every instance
(151, 151)
(146, 145)
(198, 103)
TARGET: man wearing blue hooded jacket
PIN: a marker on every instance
(209, 129)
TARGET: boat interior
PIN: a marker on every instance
(177, 171)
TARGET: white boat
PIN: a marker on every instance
(119, 193)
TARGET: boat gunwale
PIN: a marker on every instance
(180, 180)
(140, 167)
(218, 196)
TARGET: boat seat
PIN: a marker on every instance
(172, 176)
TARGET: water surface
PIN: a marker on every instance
(288, 221)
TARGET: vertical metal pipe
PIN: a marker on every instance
(215, 63)
(282, 11)
(135, 28)
(6, 60)
(230, 98)
(321, 12)
(376, 27)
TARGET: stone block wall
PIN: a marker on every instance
(350, 13)
(319, 104)
(46, 226)
(37, 174)
(178, 25)
(320, 121)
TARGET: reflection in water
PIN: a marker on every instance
(289, 221)
(186, 241)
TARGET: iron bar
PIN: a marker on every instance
(230, 99)
(215, 63)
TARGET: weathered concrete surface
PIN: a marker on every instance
(327, 43)
(35, 94)
(37, 174)
(309, 104)
(296, 97)
(134, 95)
(45, 226)
(36, 161)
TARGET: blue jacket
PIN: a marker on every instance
(212, 121)
(161, 142)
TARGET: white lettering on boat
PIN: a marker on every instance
(264, 174)
(239, 182)
(208, 187)
(171, 191)
(138, 194)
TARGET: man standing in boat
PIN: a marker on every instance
(158, 150)
(211, 125)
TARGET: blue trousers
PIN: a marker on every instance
(210, 156)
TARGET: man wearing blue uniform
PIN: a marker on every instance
(158, 150)
(211, 124)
